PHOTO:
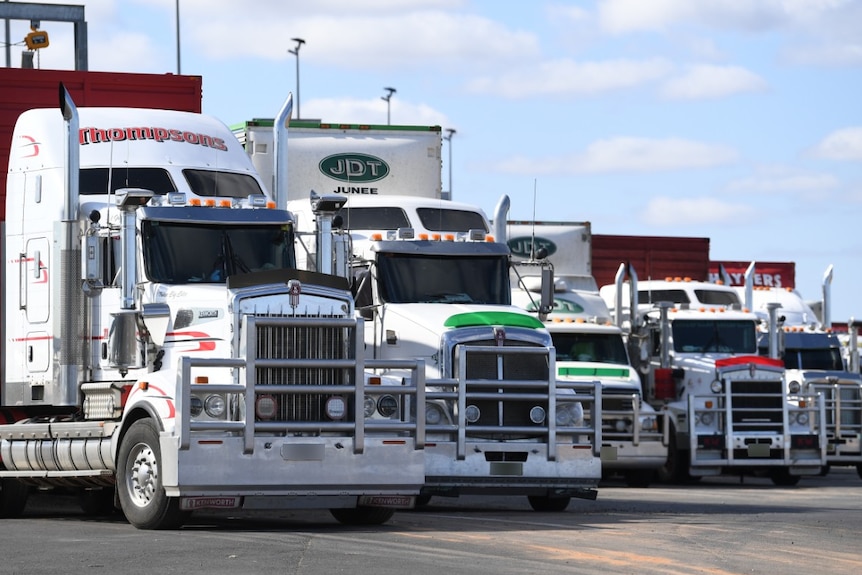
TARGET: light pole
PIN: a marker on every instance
(388, 97)
(448, 138)
(295, 52)
(178, 37)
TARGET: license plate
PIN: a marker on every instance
(398, 501)
(192, 503)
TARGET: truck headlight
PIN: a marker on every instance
(387, 405)
(433, 414)
(335, 407)
(801, 417)
(472, 413)
(649, 424)
(215, 406)
(196, 406)
(265, 406)
(537, 414)
(569, 414)
(369, 405)
(794, 387)
(716, 386)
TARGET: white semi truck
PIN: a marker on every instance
(731, 410)
(432, 285)
(813, 356)
(162, 352)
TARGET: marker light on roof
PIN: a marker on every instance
(225, 203)
(195, 202)
(257, 200)
(209, 202)
(177, 199)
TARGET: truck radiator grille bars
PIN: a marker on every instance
(507, 410)
(331, 345)
(301, 376)
(757, 405)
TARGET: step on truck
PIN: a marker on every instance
(162, 352)
(432, 285)
(732, 411)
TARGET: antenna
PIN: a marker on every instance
(533, 226)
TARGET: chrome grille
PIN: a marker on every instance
(507, 411)
(757, 405)
(306, 343)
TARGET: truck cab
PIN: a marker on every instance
(731, 410)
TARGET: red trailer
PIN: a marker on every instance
(653, 257)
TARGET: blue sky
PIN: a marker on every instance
(736, 120)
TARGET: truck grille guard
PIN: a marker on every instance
(625, 407)
(505, 404)
(748, 414)
(842, 419)
(299, 362)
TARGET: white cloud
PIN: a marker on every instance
(622, 16)
(570, 78)
(356, 39)
(627, 154)
(801, 183)
(707, 81)
(844, 144)
(664, 211)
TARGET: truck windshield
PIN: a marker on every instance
(828, 359)
(597, 347)
(208, 253)
(410, 278)
(715, 336)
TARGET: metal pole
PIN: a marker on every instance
(178, 37)
(295, 52)
(8, 44)
(449, 139)
(387, 97)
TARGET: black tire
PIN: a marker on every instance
(824, 471)
(97, 502)
(547, 503)
(139, 481)
(675, 468)
(639, 477)
(13, 498)
(782, 478)
(363, 515)
(859, 470)
(422, 500)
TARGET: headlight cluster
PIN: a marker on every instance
(794, 387)
(649, 424)
(569, 414)
(385, 406)
(214, 405)
(799, 417)
(706, 418)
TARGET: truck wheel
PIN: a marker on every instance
(547, 503)
(675, 468)
(139, 480)
(97, 502)
(783, 478)
(363, 515)
(859, 470)
(13, 497)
